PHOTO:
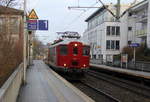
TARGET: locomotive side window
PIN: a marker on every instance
(75, 50)
(63, 50)
(86, 50)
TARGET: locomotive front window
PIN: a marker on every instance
(63, 50)
(86, 50)
(75, 50)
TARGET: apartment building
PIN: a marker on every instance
(138, 22)
(104, 34)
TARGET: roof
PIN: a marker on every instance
(96, 13)
(11, 11)
(67, 41)
(144, 2)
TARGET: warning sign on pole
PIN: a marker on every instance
(33, 15)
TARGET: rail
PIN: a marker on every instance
(113, 99)
(9, 91)
(131, 86)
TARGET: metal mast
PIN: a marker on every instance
(24, 44)
(118, 10)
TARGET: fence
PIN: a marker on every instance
(139, 65)
(10, 89)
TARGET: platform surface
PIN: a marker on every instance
(44, 85)
(141, 74)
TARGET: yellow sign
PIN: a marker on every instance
(33, 15)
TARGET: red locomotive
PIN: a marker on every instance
(69, 56)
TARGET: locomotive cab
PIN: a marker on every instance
(71, 57)
(74, 55)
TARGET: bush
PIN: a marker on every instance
(147, 52)
(142, 53)
(128, 50)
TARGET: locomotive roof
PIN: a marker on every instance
(67, 41)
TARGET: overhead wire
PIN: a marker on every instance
(74, 20)
(35, 4)
(112, 12)
(107, 8)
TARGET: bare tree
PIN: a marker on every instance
(8, 3)
(39, 49)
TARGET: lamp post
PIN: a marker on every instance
(24, 43)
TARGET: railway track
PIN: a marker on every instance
(96, 94)
(111, 98)
(125, 86)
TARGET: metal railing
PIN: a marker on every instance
(139, 65)
(141, 32)
(9, 91)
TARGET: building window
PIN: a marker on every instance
(112, 44)
(113, 30)
(108, 30)
(108, 44)
(129, 28)
(117, 30)
(117, 45)
(129, 42)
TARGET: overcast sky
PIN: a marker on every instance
(61, 18)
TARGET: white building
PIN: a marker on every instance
(138, 22)
(104, 34)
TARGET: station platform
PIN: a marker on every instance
(44, 85)
(145, 75)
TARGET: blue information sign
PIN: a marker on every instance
(134, 45)
(43, 25)
(32, 25)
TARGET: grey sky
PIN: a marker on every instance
(62, 19)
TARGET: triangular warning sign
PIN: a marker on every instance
(33, 15)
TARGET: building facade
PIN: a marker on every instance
(139, 23)
(104, 34)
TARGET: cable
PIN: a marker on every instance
(107, 9)
(112, 12)
(35, 4)
(79, 15)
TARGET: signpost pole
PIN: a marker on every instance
(24, 44)
(134, 55)
(126, 61)
(134, 45)
(121, 60)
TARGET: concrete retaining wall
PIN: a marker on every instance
(9, 91)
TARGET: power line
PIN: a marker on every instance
(107, 8)
(74, 20)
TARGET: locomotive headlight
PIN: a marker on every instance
(84, 65)
(65, 65)
(76, 45)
